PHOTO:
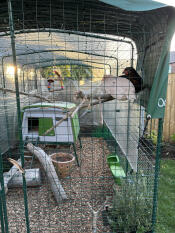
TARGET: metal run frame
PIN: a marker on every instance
(85, 34)
(55, 50)
(3, 210)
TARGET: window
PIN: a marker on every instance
(33, 124)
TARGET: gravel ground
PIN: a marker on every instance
(91, 182)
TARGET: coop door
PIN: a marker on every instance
(45, 124)
(64, 130)
(33, 124)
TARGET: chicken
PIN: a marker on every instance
(119, 88)
(131, 74)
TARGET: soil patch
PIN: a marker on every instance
(168, 150)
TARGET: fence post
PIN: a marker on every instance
(21, 145)
(156, 175)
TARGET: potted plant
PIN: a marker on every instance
(131, 209)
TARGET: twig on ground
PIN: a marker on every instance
(95, 215)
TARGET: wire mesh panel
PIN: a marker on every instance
(76, 155)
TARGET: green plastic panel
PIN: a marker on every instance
(45, 124)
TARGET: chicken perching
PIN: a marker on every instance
(119, 88)
(131, 74)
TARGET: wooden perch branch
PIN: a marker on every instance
(81, 95)
(25, 93)
(71, 113)
(60, 89)
(75, 109)
(95, 215)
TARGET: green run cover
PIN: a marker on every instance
(156, 101)
(157, 98)
(136, 5)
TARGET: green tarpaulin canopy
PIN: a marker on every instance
(156, 102)
(135, 5)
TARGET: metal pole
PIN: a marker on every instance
(59, 50)
(85, 34)
(36, 83)
(117, 66)
(21, 146)
(132, 55)
(128, 134)
(3, 206)
(1, 214)
(23, 81)
(156, 176)
(5, 108)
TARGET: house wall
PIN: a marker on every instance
(172, 65)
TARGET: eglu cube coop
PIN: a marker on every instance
(89, 43)
(39, 120)
(40, 117)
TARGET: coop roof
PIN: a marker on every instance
(52, 28)
(58, 105)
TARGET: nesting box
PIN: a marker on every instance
(39, 117)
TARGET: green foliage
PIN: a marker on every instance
(46, 72)
(76, 72)
(173, 138)
(166, 198)
(80, 72)
(131, 211)
(153, 136)
(102, 132)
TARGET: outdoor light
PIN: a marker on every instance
(11, 70)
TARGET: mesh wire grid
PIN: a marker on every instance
(83, 45)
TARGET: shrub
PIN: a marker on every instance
(173, 138)
(131, 210)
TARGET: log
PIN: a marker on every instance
(49, 168)
(32, 176)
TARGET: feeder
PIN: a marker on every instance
(116, 169)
